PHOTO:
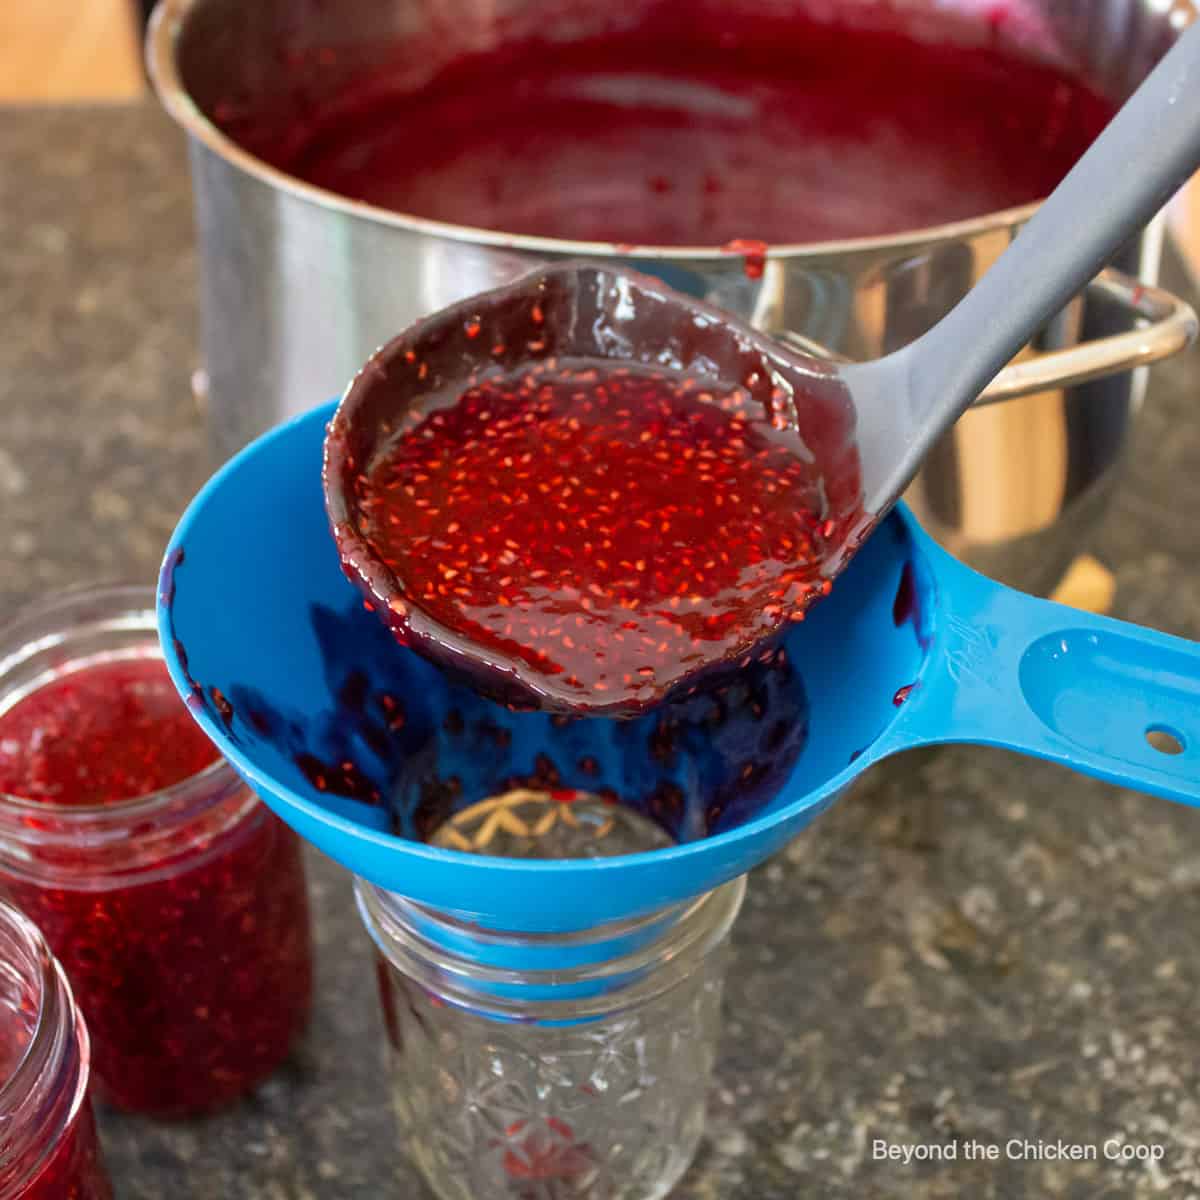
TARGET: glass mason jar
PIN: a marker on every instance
(48, 1147)
(181, 917)
(551, 1066)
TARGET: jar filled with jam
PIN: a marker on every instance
(175, 900)
(48, 1146)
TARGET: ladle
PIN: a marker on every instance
(324, 715)
(869, 425)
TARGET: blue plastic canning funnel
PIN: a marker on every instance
(364, 747)
(254, 604)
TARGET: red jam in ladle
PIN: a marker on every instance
(604, 525)
(582, 531)
(592, 456)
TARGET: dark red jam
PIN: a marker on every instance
(112, 732)
(183, 928)
(697, 126)
(612, 528)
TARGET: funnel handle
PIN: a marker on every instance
(1101, 696)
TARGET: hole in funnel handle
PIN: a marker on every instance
(1165, 740)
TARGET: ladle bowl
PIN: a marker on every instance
(866, 427)
(596, 314)
(913, 648)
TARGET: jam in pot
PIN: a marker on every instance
(688, 125)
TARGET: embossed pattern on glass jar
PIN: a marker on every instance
(608, 1109)
(567, 1066)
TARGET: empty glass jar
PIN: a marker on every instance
(48, 1147)
(551, 1066)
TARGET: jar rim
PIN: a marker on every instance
(213, 776)
(678, 938)
(130, 607)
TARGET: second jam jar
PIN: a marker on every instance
(48, 1146)
(174, 899)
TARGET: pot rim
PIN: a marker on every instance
(162, 39)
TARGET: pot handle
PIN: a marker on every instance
(1172, 327)
(1101, 696)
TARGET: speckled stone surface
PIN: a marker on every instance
(970, 947)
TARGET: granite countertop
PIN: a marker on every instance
(969, 946)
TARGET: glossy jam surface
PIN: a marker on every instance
(610, 528)
(109, 732)
(696, 132)
(186, 939)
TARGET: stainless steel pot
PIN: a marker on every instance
(300, 285)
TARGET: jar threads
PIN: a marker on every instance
(48, 1145)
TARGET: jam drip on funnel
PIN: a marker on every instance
(425, 747)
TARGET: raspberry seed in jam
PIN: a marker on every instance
(611, 527)
(633, 497)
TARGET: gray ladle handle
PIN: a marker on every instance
(906, 400)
